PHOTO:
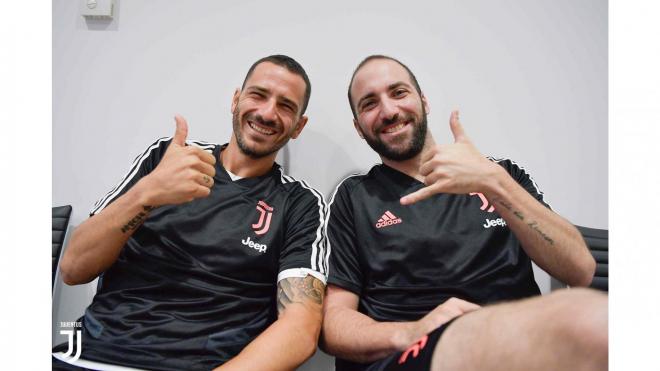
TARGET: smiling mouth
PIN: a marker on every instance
(394, 128)
(260, 129)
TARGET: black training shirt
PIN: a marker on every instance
(403, 261)
(197, 281)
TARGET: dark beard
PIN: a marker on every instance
(251, 152)
(413, 149)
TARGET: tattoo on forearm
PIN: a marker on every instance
(532, 224)
(299, 290)
(137, 220)
(510, 208)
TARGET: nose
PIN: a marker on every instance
(268, 110)
(388, 109)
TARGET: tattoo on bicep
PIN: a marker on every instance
(299, 290)
(532, 224)
(137, 220)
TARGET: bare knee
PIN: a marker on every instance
(581, 320)
(564, 330)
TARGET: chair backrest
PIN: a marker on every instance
(596, 240)
(61, 215)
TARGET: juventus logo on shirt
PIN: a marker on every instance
(484, 202)
(485, 205)
(266, 212)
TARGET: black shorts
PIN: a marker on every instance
(417, 357)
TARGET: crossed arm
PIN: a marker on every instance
(351, 335)
(292, 338)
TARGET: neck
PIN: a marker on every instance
(411, 166)
(237, 162)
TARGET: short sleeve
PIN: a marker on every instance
(304, 249)
(344, 260)
(520, 175)
(143, 164)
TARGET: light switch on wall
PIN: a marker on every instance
(97, 9)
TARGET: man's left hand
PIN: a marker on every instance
(453, 168)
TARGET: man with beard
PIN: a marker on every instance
(199, 243)
(424, 240)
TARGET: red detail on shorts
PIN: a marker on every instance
(414, 349)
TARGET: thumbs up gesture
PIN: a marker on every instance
(453, 168)
(183, 174)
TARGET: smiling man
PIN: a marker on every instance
(208, 255)
(424, 240)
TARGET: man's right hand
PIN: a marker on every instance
(442, 314)
(183, 174)
(447, 311)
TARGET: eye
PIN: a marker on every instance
(367, 105)
(287, 107)
(399, 92)
(256, 94)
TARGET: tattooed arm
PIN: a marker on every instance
(96, 243)
(551, 242)
(306, 291)
(184, 173)
(292, 339)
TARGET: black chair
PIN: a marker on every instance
(61, 215)
(596, 240)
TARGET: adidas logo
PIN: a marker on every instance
(387, 219)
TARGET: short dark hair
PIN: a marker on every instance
(367, 60)
(291, 65)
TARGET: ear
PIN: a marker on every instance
(299, 127)
(358, 128)
(425, 103)
(234, 99)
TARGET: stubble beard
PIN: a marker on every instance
(414, 147)
(247, 150)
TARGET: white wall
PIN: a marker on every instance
(529, 76)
